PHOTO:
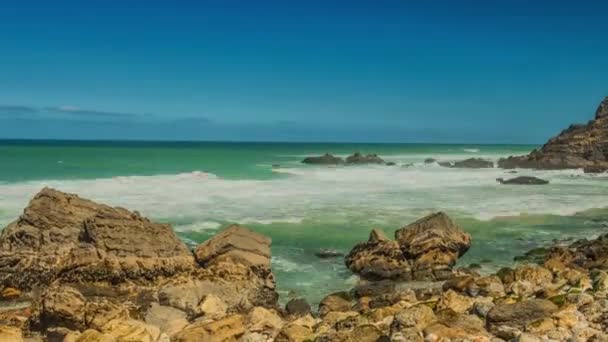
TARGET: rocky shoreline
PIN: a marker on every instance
(577, 147)
(76, 270)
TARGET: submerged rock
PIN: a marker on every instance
(326, 159)
(578, 146)
(471, 163)
(430, 160)
(523, 180)
(328, 253)
(359, 159)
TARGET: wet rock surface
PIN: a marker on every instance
(326, 159)
(523, 180)
(471, 163)
(358, 158)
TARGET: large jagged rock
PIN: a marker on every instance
(578, 146)
(424, 250)
(433, 243)
(379, 258)
(326, 159)
(360, 159)
(63, 236)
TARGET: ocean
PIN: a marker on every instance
(200, 187)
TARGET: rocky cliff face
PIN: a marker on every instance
(578, 146)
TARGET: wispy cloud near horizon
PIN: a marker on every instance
(64, 112)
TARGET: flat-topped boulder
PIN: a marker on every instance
(358, 158)
(577, 147)
(471, 163)
(236, 245)
(326, 159)
(61, 235)
(433, 243)
(523, 180)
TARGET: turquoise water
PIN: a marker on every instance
(201, 187)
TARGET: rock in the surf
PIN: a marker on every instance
(523, 180)
(378, 258)
(433, 243)
(577, 147)
(237, 245)
(325, 253)
(360, 159)
(471, 163)
(326, 159)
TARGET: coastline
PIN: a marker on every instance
(564, 297)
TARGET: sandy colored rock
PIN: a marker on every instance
(63, 235)
(520, 314)
(169, 320)
(239, 254)
(260, 319)
(454, 301)
(63, 306)
(336, 302)
(417, 317)
(378, 258)
(131, 330)
(294, 333)
(100, 311)
(10, 334)
(434, 243)
(228, 328)
(212, 307)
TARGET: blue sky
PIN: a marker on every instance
(504, 71)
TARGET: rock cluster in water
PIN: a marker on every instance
(471, 163)
(424, 250)
(76, 271)
(356, 158)
(577, 147)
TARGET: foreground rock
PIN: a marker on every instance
(471, 163)
(577, 147)
(424, 250)
(226, 292)
(326, 159)
(61, 236)
(433, 243)
(100, 271)
(379, 258)
(523, 180)
(359, 159)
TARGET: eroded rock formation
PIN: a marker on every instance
(577, 147)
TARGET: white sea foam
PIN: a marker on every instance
(471, 150)
(368, 193)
